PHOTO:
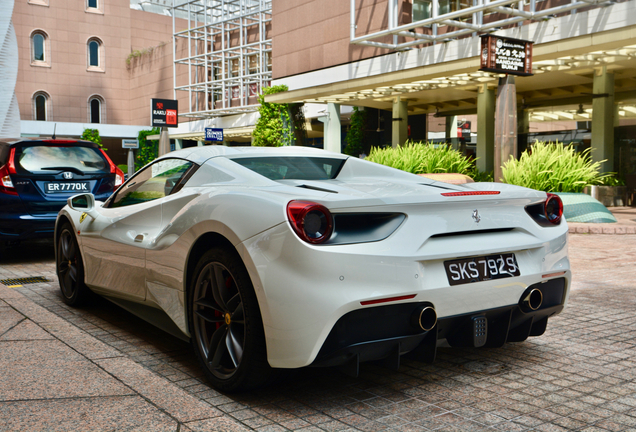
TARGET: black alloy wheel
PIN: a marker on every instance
(70, 269)
(225, 323)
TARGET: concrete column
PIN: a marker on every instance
(505, 124)
(131, 162)
(617, 116)
(164, 142)
(523, 129)
(400, 130)
(451, 131)
(603, 119)
(333, 135)
(523, 121)
(485, 128)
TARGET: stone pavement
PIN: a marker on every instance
(100, 368)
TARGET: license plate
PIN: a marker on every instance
(66, 187)
(468, 270)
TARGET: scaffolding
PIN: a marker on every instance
(227, 51)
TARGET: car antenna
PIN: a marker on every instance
(54, 126)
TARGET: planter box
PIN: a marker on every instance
(609, 196)
(453, 178)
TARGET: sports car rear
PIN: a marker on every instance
(490, 272)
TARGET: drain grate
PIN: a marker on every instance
(12, 283)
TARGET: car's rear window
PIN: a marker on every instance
(46, 157)
(292, 167)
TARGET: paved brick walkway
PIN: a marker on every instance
(100, 368)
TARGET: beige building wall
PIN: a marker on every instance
(149, 63)
(125, 87)
(314, 34)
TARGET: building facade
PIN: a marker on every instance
(408, 58)
(414, 64)
(90, 64)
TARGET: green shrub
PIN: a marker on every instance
(123, 168)
(421, 158)
(274, 126)
(93, 136)
(148, 149)
(553, 167)
(355, 134)
(612, 180)
(482, 176)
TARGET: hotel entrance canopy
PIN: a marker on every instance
(573, 42)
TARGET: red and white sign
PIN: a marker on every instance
(164, 113)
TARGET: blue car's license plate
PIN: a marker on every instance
(482, 268)
(66, 187)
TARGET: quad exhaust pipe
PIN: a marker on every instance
(424, 318)
(533, 300)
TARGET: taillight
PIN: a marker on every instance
(114, 169)
(546, 213)
(6, 185)
(119, 177)
(311, 221)
(553, 209)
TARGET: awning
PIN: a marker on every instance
(238, 132)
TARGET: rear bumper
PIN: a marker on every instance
(305, 290)
(24, 227)
(387, 332)
(19, 221)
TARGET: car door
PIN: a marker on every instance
(115, 243)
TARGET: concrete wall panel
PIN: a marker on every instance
(320, 27)
(125, 87)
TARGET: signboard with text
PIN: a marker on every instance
(506, 55)
(164, 113)
(213, 134)
(463, 130)
(130, 143)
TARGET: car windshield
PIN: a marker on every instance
(46, 157)
(293, 168)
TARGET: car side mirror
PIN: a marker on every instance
(84, 203)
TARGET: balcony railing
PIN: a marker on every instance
(443, 20)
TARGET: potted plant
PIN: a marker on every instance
(612, 192)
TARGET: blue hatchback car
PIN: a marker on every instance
(37, 175)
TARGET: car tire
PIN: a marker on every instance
(226, 327)
(70, 268)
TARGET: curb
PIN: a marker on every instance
(581, 228)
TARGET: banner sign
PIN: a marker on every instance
(164, 113)
(463, 129)
(213, 134)
(130, 143)
(506, 55)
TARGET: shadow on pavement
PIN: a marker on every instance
(27, 252)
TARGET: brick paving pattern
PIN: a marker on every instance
(580, 375)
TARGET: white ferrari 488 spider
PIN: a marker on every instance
(288, 257)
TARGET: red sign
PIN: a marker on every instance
(164, 113)
(171, 117)
(463, 129)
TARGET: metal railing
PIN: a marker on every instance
(226, 49)
(465, 21)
